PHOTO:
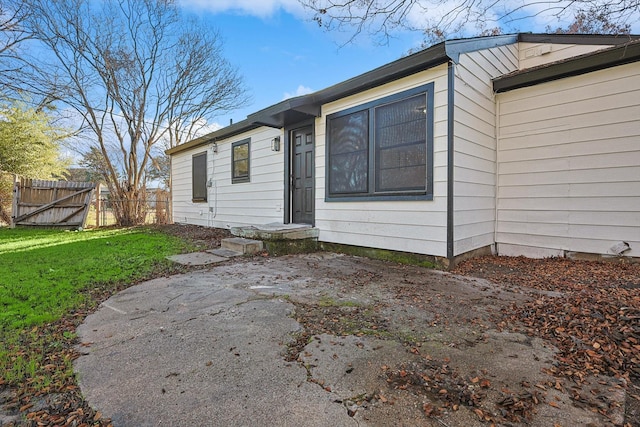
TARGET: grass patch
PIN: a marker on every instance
(42, 271)
(50, 278)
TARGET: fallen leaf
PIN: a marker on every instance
(428, 409)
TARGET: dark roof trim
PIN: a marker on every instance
(226, 132)
(420, 61)
(455, 48)
(275, 115)
(593, 39)
(594, 61)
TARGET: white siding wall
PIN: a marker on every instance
(569, 165)
(475, 145)
(257, 202)
(534, 54)
(410, 226)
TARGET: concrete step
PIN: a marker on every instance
(277, 231)
(242, 245)
(227, 253)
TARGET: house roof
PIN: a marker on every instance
(606, 58)
(297, 109)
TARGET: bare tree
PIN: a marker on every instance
(441, 19)
(12, 38)
(592, 22)
(138, 73)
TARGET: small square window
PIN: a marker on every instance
(240, 161)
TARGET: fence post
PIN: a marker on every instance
(15, 204)
(98, 193)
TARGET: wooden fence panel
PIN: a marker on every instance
(51, 203)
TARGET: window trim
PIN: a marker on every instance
(241, 178)
(196, 198)
(371, 194)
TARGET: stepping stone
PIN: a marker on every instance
(227, 253)
(196, 258)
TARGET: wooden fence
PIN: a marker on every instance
(51, 203)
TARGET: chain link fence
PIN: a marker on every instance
(156, 210)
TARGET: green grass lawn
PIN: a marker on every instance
(48, 275)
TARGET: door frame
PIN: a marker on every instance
(288, 161)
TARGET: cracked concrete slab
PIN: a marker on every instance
(313, 340)
(182, 351)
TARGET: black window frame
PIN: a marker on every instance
(373, 163)
(235, 179)
(199, 176)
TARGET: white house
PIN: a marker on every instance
(525, 144)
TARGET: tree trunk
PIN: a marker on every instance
(130, 207)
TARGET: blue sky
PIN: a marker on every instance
(281, 54)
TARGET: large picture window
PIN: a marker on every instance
(383, 149)
(199, 177)
(240, 161)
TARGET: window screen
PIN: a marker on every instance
(383, 149)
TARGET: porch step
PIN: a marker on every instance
(281, 239)
(242, 245)
(277, 231)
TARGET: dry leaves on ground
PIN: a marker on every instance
(589, 310)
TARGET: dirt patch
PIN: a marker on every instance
(203, 237)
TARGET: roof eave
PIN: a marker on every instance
(387, 73)
(586, 39)
(226, 132)
(606, 58)
(454, 48)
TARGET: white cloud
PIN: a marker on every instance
(301, 90)
(511, 15)
(208, 128)
(260, 8)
